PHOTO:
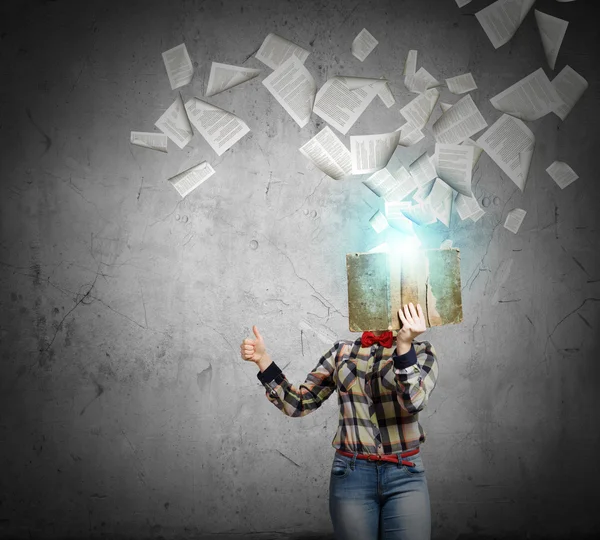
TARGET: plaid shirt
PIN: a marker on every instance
(380, 394)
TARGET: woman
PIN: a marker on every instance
(377, 486)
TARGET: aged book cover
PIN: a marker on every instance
(380, 283)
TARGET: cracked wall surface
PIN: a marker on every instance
(126, 410)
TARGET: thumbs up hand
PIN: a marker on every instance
(253, 350)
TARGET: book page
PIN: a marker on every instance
(422, 170)
(459, 122)
(530, 98)
(562, 174)
(461, 3)
(475, 217)
(418, 111)
(329, 154)
(225, 76)
(294, 88)
(175, 124)
(421, 213)
(505, 142)
(514, 219)
(461, 83)
(372, 152)
(379, 222)
(179, 66)
(409, 135)
(421, 81)
(152, 141)
(476, 150)
(501, 19)
(386, 96)
(552, 31)
(440, 201)
(445, 106)
(391, 185)
(275, 50)
(396, 218)
(339, 106)
(421, 194)
(454, 165)
(189, 180)
(410, 68)
(466, 206)
(570, 86)
(363, 44)
(220, 128)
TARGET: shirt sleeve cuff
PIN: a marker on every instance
(405, 360)
(269, 374)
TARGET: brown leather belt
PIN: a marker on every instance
(393, 458)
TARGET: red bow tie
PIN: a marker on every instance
(386, 339)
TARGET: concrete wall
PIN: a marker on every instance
(126, 410)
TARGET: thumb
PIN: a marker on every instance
(256, 333)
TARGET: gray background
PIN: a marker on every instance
(126, 410)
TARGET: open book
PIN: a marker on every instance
(380, 283)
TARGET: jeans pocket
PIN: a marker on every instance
(340, 467)
(418, 469)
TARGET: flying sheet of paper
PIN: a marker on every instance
(394, 185)
(461, 83)
(410, 68)
(454, 165)
(409, 135)
(153, 141)
(220, 128)
(418, 111)
(225, 76)
(461, 3)
(396, 218)
(466, 206)
(440, 201)
(552, 31)
(510, 143)
(476, 150)
(189, 180)
(372, 152)
(175, 124)
(475, 217)
(444, 106)
(340, 106)
(421, 213)
(275, 50)
(562, 174)
(422, 170)
(459, 122)
(179, 66)
(329, 154)
(294, 88)
(530, 98)
(421, 194)
(421, 81)
(514, 219)
(386, 96)
(501, 19)
(569, 85)
(379, 222)
(363, 44)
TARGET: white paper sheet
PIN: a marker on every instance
(570, 86)
(329, 154)
(410, 68)
(379, 222)
(294, 88)
(440, 201)
(152, 141)
(461, 3)
(189, 180)
(461, 121)
(220, 128)
(552, 31)
(409, 135)
(372, 152)
(466, 206)
(392, 185)
(179, 66)
(175, 124)
(340, 106)
(275, 50)
(445, 106)
(396, 218)
(501, 19)
(476, 150)
(461, 83)
(418, 111)
(225, 76)
(386, 96)
(510, 143)
(421, 213)
(363, 44)
(421, 81)
(562, 174)
(422, 170)
(528, 99)
(514, 219)
(475, 217)
(454, 165)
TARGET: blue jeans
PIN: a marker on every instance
(374, 500)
